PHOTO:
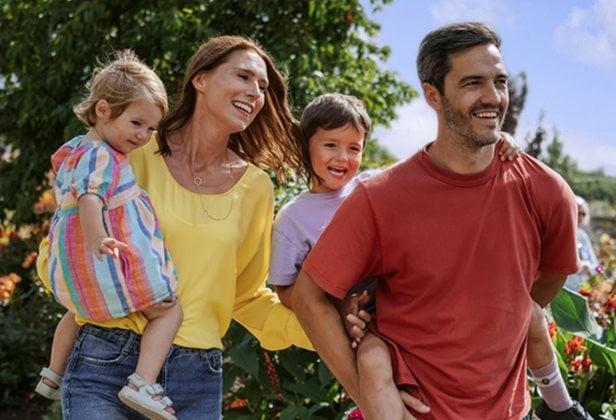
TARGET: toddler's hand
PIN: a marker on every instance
(107, 246)
(507, 148)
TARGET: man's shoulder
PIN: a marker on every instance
(542, 179)
(400, 173)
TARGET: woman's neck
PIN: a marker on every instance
(200, 144)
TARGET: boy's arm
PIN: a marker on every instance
(91, 220)
(507, 149)
(285, 294)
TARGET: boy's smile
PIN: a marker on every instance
(335, 156)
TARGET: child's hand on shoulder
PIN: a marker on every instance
(102, 246)
(507, 147)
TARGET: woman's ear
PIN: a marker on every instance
(199, 81)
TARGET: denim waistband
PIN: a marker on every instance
(123, 335)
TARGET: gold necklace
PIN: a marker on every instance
(198, 182)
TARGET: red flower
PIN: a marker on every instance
(552, 327)
(355, 414)
(581, 362)
(239, 403)
(585, 292)
(610, 304)
(574, 346)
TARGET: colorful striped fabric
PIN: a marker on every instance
(112, 288)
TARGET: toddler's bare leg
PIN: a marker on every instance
(164, 320)
(379, 396)
(62, 346)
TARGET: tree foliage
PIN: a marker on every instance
(518, 89)
(48, 48)
(593, 185)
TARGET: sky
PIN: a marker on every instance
(567, 48)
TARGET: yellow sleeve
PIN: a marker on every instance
(42, 261)
(256, 307)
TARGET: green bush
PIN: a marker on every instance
(28, 316)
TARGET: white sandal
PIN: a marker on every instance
(48, 391)
(142, 399)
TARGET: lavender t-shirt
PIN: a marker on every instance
(299, 224)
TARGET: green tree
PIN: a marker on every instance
(593, 185)
(518, 89)
(48, 48)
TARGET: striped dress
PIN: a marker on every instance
(112, 288)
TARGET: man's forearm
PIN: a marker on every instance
(324, 328)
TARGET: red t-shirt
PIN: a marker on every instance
(458, 255)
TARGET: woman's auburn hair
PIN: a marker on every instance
(270, 141)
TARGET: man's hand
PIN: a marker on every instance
(355, 319)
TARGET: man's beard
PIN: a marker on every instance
(460, 126)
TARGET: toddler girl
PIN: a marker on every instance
(107, 257)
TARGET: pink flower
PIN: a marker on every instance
(355, 414)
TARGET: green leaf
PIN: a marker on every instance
(245, 356)
(309, 389)
(602, 355)
(570, 312)
(292, 412)
(325, 376)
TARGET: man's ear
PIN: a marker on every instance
(199, 81)
(102, 110)
(433, 96)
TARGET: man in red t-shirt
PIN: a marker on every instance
(463, 242)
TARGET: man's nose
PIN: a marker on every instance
(491, 95)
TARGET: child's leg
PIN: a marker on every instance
(379, 395)
(542, 363)
(62, 346)
(164, 320)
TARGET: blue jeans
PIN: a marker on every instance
(103, 358)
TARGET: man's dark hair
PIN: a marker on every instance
(433, 60)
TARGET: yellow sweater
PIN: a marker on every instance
(221, 264)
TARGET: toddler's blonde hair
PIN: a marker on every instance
(121, 82)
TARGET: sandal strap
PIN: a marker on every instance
(51, 375)
(157, 389)
(136, 380)
(153, 390)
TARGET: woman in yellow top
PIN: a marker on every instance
(215, 209)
